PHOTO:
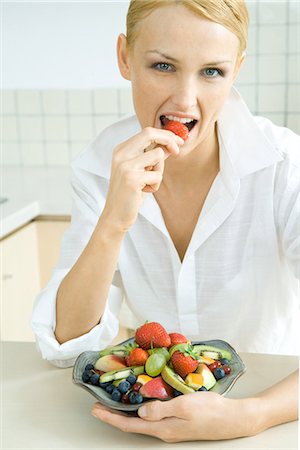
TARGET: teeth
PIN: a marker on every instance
(179, 119)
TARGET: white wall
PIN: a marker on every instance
(62, 85)
(53, 45)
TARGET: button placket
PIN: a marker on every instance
(186, 297)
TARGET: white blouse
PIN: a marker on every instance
(239, 280)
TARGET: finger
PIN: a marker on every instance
(154, 142)
(159, 167)
(148, 160)
(158, 410)
(154, 137)
(125, 423)
(98, 405)
(150, 180)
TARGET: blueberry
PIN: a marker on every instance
(131, 379)
(124, 386)
(131, 398)
(89, 366)
(110, 388)
(219, 373)
(224, 362)
(86, 376)
(135, 398)
(203, 388)
(116, 395)
(104, 385)
(139, 398)
(177, 393)
(95, 379)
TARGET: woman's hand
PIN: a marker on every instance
(209, 416)
(137, 167)
(199, 416)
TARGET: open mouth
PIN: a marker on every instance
(189, 123)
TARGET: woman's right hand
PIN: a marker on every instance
(137, 167)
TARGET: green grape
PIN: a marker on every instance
(155, 364)
(162, 350)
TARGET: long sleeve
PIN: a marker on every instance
(88, 194)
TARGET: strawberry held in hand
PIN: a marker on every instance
(184, 362)
(152, 334)
(177, 128)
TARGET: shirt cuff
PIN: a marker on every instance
(99, 337)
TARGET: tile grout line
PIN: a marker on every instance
(44, 138)
(18, 126)
(287, 42)
(119, 105)
(68, 123)
(93, 107)
(256, 84)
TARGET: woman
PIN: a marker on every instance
(200, 235)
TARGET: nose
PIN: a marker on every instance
(184, 96)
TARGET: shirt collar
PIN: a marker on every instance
(96, 157)
(245, 143)
(247, 146)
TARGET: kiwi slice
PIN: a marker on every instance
(174, 380)
(212, 352)
(121, 373)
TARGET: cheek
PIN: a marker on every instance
(147, 96)
(144, 101)
(141, 89)
(217, 96)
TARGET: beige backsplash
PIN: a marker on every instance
(49, 127)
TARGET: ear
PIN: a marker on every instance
(239, 64)
(123, 57)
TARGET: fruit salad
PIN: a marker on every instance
(157, 365)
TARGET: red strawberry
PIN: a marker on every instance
(137, 357)
(178, 128)
(184, 363)
(152, 334)
(177, 338)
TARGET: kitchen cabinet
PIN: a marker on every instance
(49, 234)
(20, 275)
(28, 257)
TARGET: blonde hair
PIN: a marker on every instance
(232, 14)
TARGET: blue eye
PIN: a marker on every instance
(212, 73)
(163, 67)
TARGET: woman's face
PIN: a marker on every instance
(180, 65)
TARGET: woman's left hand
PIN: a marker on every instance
(198, 416)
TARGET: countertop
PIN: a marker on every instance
(43, 409)
(31, 192)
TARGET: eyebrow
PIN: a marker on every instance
(170, 58)
(163, 55)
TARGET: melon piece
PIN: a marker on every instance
(143, 379)
(194, 380)
(208, 378)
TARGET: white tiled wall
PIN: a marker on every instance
(49, 127)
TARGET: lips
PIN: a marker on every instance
(187, 121)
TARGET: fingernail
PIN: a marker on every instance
(143, 411)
